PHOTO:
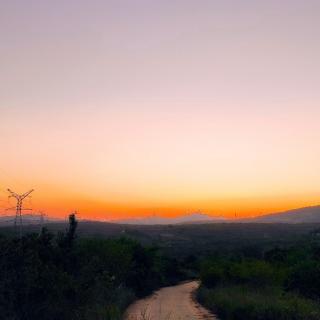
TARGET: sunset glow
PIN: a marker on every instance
(134, 108)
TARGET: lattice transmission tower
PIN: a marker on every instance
(19, 208)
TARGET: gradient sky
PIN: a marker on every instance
(131, 108)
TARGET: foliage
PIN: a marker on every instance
(87, 272)
(239, 302)
(49, 277)
(304, 278)
(283, 285)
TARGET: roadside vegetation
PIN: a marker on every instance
(94, 271)
(282, 285)
(56, 277)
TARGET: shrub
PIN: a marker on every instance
(246, 303)
(213, 275)
(61, 277)
(304, 279)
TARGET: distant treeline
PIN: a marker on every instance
(56, 277)
(284, 284)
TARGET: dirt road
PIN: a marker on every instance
(170, 303)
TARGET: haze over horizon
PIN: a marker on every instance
(125, 108)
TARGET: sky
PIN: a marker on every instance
(131, 108)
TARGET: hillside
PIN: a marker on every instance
(190, 218)
(302, 215)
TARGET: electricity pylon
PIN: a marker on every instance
(19, 208)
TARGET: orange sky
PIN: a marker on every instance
(160, 107)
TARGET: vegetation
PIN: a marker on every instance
(283, 285)
(198, 239)
(244, 302)
(92, 271)
(49, 277)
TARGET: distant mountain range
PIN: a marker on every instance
(190, 218)
(302, 215)
(27, 219)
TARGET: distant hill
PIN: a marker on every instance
(302, 215)
(187, 219)
(27, 219)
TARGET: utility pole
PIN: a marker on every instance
(19, 208)
(42, 217)
(42, 220)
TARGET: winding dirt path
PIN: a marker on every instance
(170, 303)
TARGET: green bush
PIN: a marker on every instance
(212, 274)
(49, 277)
(254, 272)
(284, 285)
(246, 303)
(304, 278)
